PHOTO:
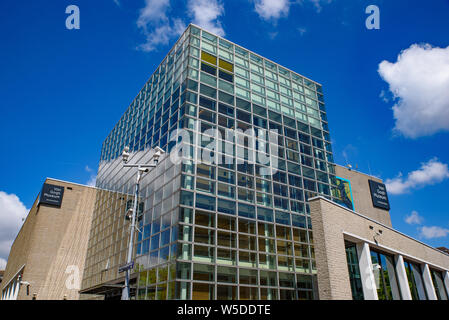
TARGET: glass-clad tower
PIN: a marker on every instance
(220, 229)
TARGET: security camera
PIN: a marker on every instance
(125, 154)
(129, 214)
(158, 151)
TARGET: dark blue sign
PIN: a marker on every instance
(51, 195)
(379, 195)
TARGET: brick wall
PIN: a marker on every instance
(332, 224)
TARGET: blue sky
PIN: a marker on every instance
(61, 90)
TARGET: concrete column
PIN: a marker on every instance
(428, 284)
(402, 278)
(366, 272)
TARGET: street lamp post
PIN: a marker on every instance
(141, 169)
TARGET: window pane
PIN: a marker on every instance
(226, 206)
(249, 293)
(202, 291)
(247, 226)
(205, 186)
(226, 222)
(226, 274)
(205, 219)
(208, 58)
(226, 256)
(203, 235)
(226, 190)
(265, 229)
(226, 292)
(203, 272)
(205, 202)
(247, 211)
(226, 239)
(248, 276)
(203, 253)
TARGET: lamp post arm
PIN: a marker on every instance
(139, 165)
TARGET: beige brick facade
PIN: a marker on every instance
(49, 250)
(333, 224)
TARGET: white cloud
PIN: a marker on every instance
(93, 178)
(419, 81)
(430, 173)
(162, 35)
(433, 232)
(92, 181)
(206, 14)
(12, 211)
(156, 24)
(2, 264)
(153, 12)
(273, 35)
(159, 26)
(318, 4)
(350, 153)
(272, 9)
(302, 31)
(383, 96)
(414, 218)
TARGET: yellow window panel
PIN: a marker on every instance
(226, 65)
(208, 58)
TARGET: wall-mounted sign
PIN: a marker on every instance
(379, 195)
(51, 195)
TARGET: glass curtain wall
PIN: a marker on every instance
(219, 229)
(243, 222)
(438, 283)
(354, 271)
(415, 281)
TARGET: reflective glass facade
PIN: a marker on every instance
(438, 283)
(354, 271)
(415, 281)
(216, 230)
(385, 276)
